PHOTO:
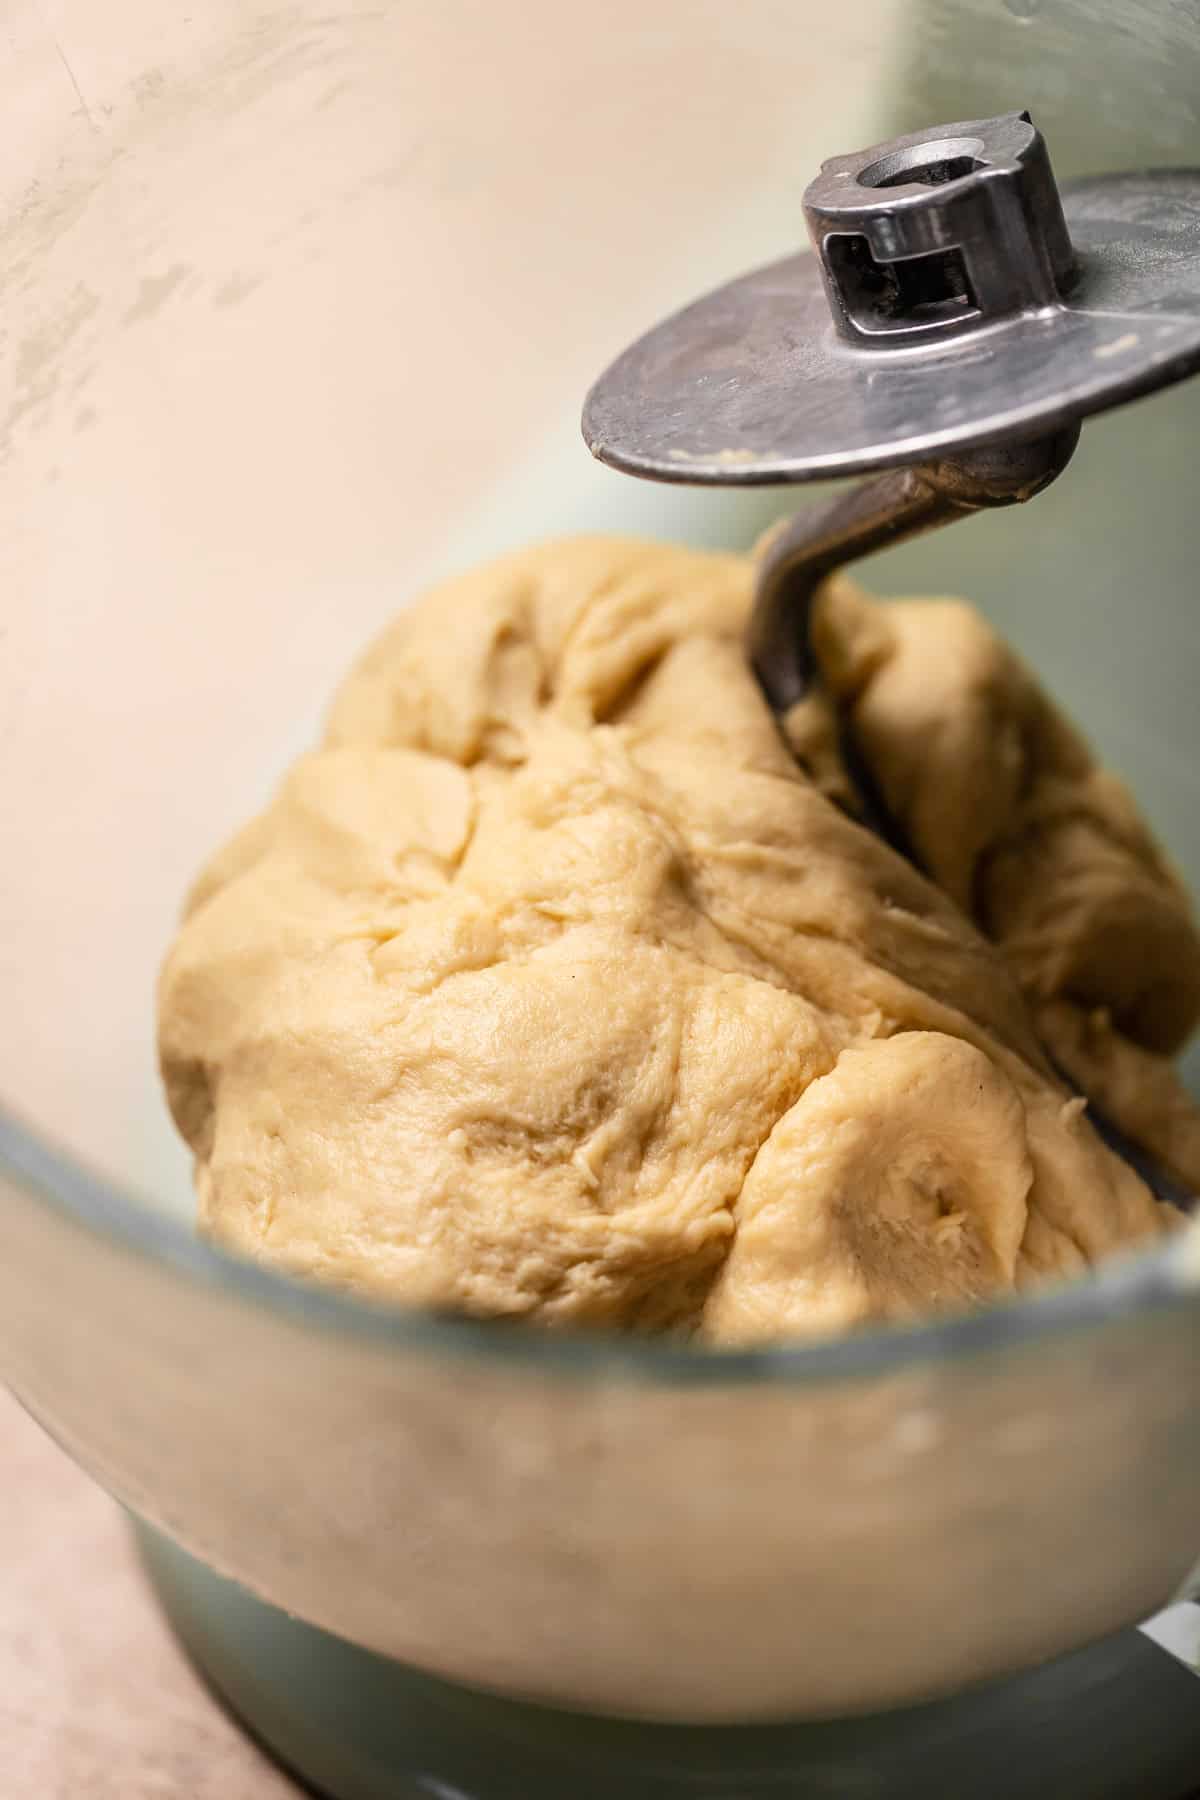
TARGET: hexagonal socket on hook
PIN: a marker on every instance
(940, 233)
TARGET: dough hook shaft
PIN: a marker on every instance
(883, 510)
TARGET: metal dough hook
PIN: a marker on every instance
(904, 503)
(957, 323)
(959, 320)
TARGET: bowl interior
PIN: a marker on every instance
(300, 309)
(300, 306)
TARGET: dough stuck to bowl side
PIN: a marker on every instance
(556, 985)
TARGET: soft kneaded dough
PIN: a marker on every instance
(557, 985)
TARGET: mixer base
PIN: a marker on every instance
(1118, 1721)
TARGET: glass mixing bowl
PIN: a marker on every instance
(300, 305)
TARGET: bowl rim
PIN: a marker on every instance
(1163, 1278)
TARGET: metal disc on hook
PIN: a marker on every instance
(755, 384)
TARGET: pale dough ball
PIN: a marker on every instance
(553, 987)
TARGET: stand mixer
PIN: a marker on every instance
(425, 1559)
(956, 325)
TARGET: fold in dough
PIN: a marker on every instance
(552, 986)
(1005, 808)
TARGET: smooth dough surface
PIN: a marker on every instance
(557, 985)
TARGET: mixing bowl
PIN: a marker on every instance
(299, 305)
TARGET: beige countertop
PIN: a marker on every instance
(95, 1697)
